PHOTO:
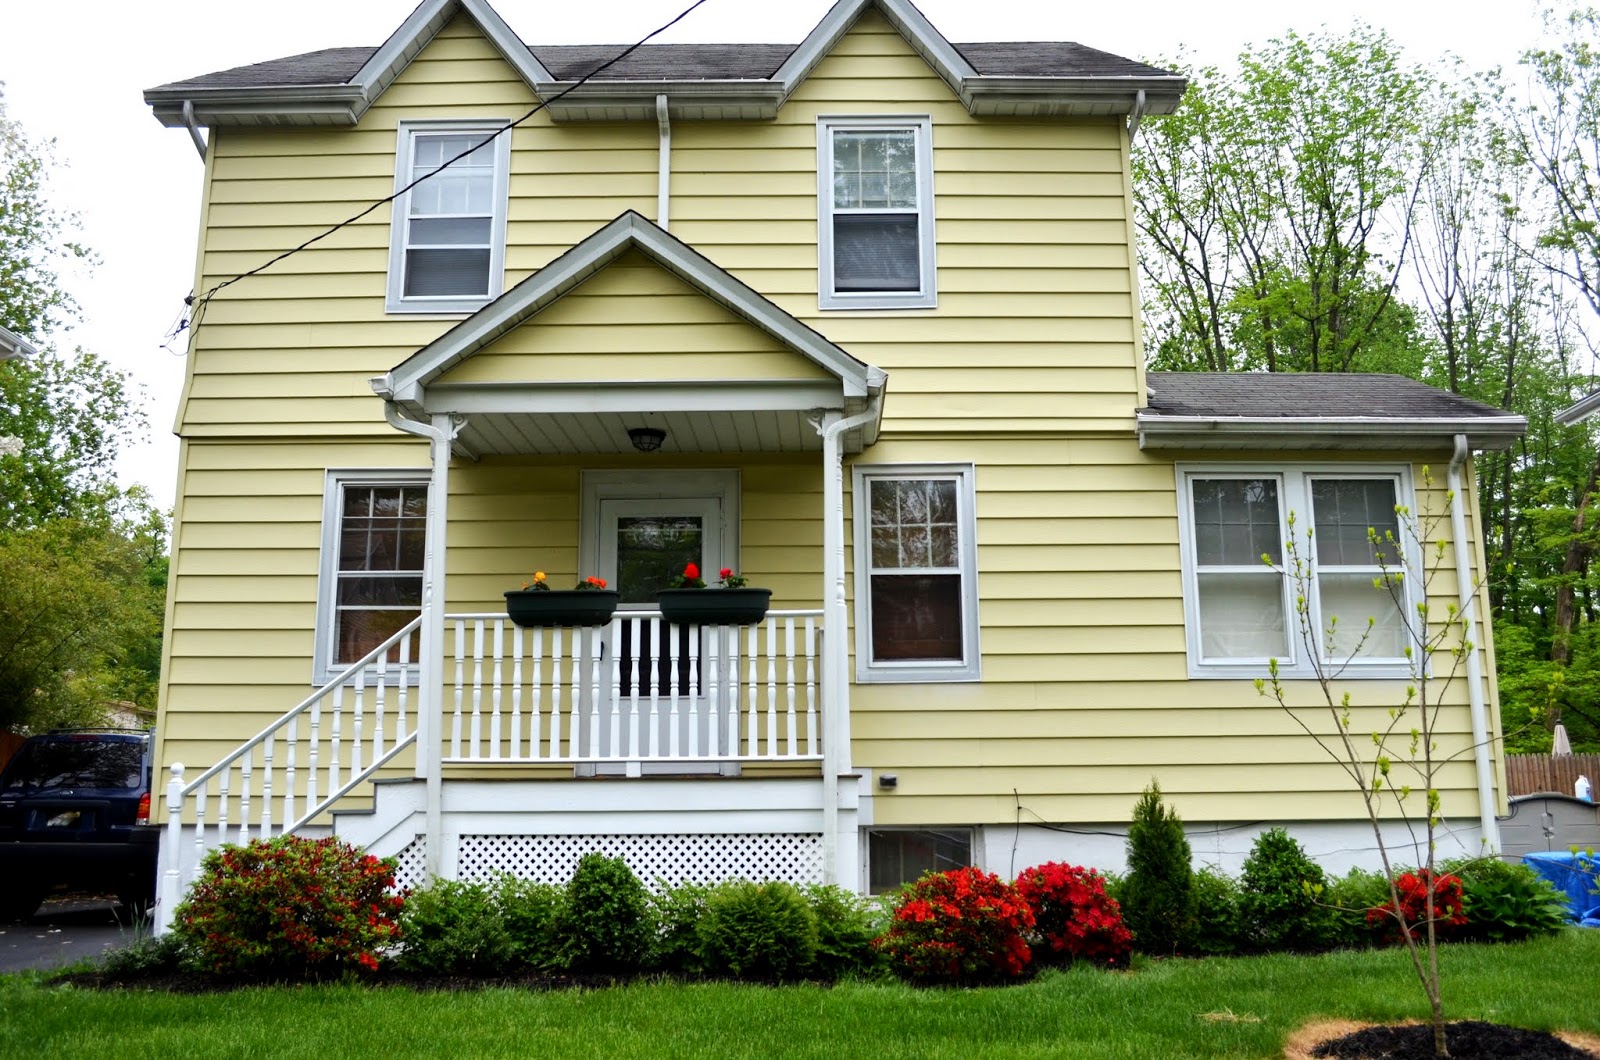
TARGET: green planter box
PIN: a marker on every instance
(561, 607)
(714, 607)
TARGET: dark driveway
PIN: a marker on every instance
(64, 931)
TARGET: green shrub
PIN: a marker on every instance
(961, 927)
(1348, 899)
(677, 912)
(605, 923)
(1158, 894)
(1506, 901)
(529, 911)
(757, 931)
(148, 955)
(289, 908)
(453, 928)
(1215, 928)
(1280, 897)
(1074, 918)
(846, 925)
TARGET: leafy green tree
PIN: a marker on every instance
(80, 623)
(34, 236)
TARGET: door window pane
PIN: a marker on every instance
(652, 551)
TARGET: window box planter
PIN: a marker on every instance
(561, 607)
(714, 607)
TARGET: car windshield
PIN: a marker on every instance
(75, 762)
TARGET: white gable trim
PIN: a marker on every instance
(406, 384)
(927, 41)
(419, 29)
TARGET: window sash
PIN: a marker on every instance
(1222, 642)
(876, 224)
(448, 232)
(374, 552)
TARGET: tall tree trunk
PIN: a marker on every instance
(1577, 557)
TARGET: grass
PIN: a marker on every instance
(1243, 1007)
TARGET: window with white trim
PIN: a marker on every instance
(916, 573)
(875, 203)
(1240, 608)
(448, 235)
(373, 550)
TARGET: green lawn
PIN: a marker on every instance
(1158, 1010)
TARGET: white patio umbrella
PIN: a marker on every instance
(1560, 745)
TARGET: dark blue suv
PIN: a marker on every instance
(75, 812)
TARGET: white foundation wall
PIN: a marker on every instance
(1336, 846)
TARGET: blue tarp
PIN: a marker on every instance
(1574, 875)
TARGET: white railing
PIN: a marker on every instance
(635, 691)
(298, 766)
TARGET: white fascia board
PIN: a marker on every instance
(911, 24)
(654, 395)
(630, 230)
(318, 104)
(13, 345)
(1230, 432)
(1582, 409)
(423, 24)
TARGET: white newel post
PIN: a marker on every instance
(171, 852)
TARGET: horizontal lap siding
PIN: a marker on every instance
(1085, 693)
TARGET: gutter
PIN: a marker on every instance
(1137, 115)
(13, 345)
(1469, 598)
(1168, 431)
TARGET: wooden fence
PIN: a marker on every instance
(1530, 774)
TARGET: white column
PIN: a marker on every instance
(432, 649)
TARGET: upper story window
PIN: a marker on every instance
(916, 587)
(875, 203)
(448, 236)
(374, 546)
(1240, 611)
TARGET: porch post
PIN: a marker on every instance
(444, 430)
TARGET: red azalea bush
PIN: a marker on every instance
(1448, 909)
(1075, 920)
(964, 926)
(289, 908)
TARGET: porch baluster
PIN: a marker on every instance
(788, 652)
(575, 699)
(476, 743)
(694, 691)
(455, 722)
(555, 692)
(358, 719)
(535, 725)
(402, 688)
(246, 771)
(200, 824)
(314, 756)
(222, 804)
(811, 686)
(333, 739)
(654, 677)
(772, 689)
(379, 693)
(289, 776)
(730, 685)
(516, 696)
(268, 748)
(591, 688)
(499, 677)
(613, 637)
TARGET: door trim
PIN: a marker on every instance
(595, 486)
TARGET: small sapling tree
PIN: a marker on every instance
(1397, 771)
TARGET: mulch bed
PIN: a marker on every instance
(1466, 1039)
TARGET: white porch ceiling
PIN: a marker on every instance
(531, 433)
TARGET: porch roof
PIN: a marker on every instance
(758, 413)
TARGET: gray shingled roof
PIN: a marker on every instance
(1292, 395)
(683, 62)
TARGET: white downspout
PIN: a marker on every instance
(835, 626)
(663, 162)
(1469, 598)
(441, 432)
(194, 128)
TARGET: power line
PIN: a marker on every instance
(199, 305)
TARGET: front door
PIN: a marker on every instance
(642, 533)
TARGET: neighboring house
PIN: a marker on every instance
(1580, 410)
(872, 301)
(14, 345)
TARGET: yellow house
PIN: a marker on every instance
(856, 319)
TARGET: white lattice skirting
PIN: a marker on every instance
(672, 859)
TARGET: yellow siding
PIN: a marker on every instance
(1029, 368)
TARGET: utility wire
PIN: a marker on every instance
(199, 305)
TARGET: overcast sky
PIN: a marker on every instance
(73, 70)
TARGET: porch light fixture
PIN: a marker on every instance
(646, 439)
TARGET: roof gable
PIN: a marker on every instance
(406, 384)
(910, 23)
(423, 24)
